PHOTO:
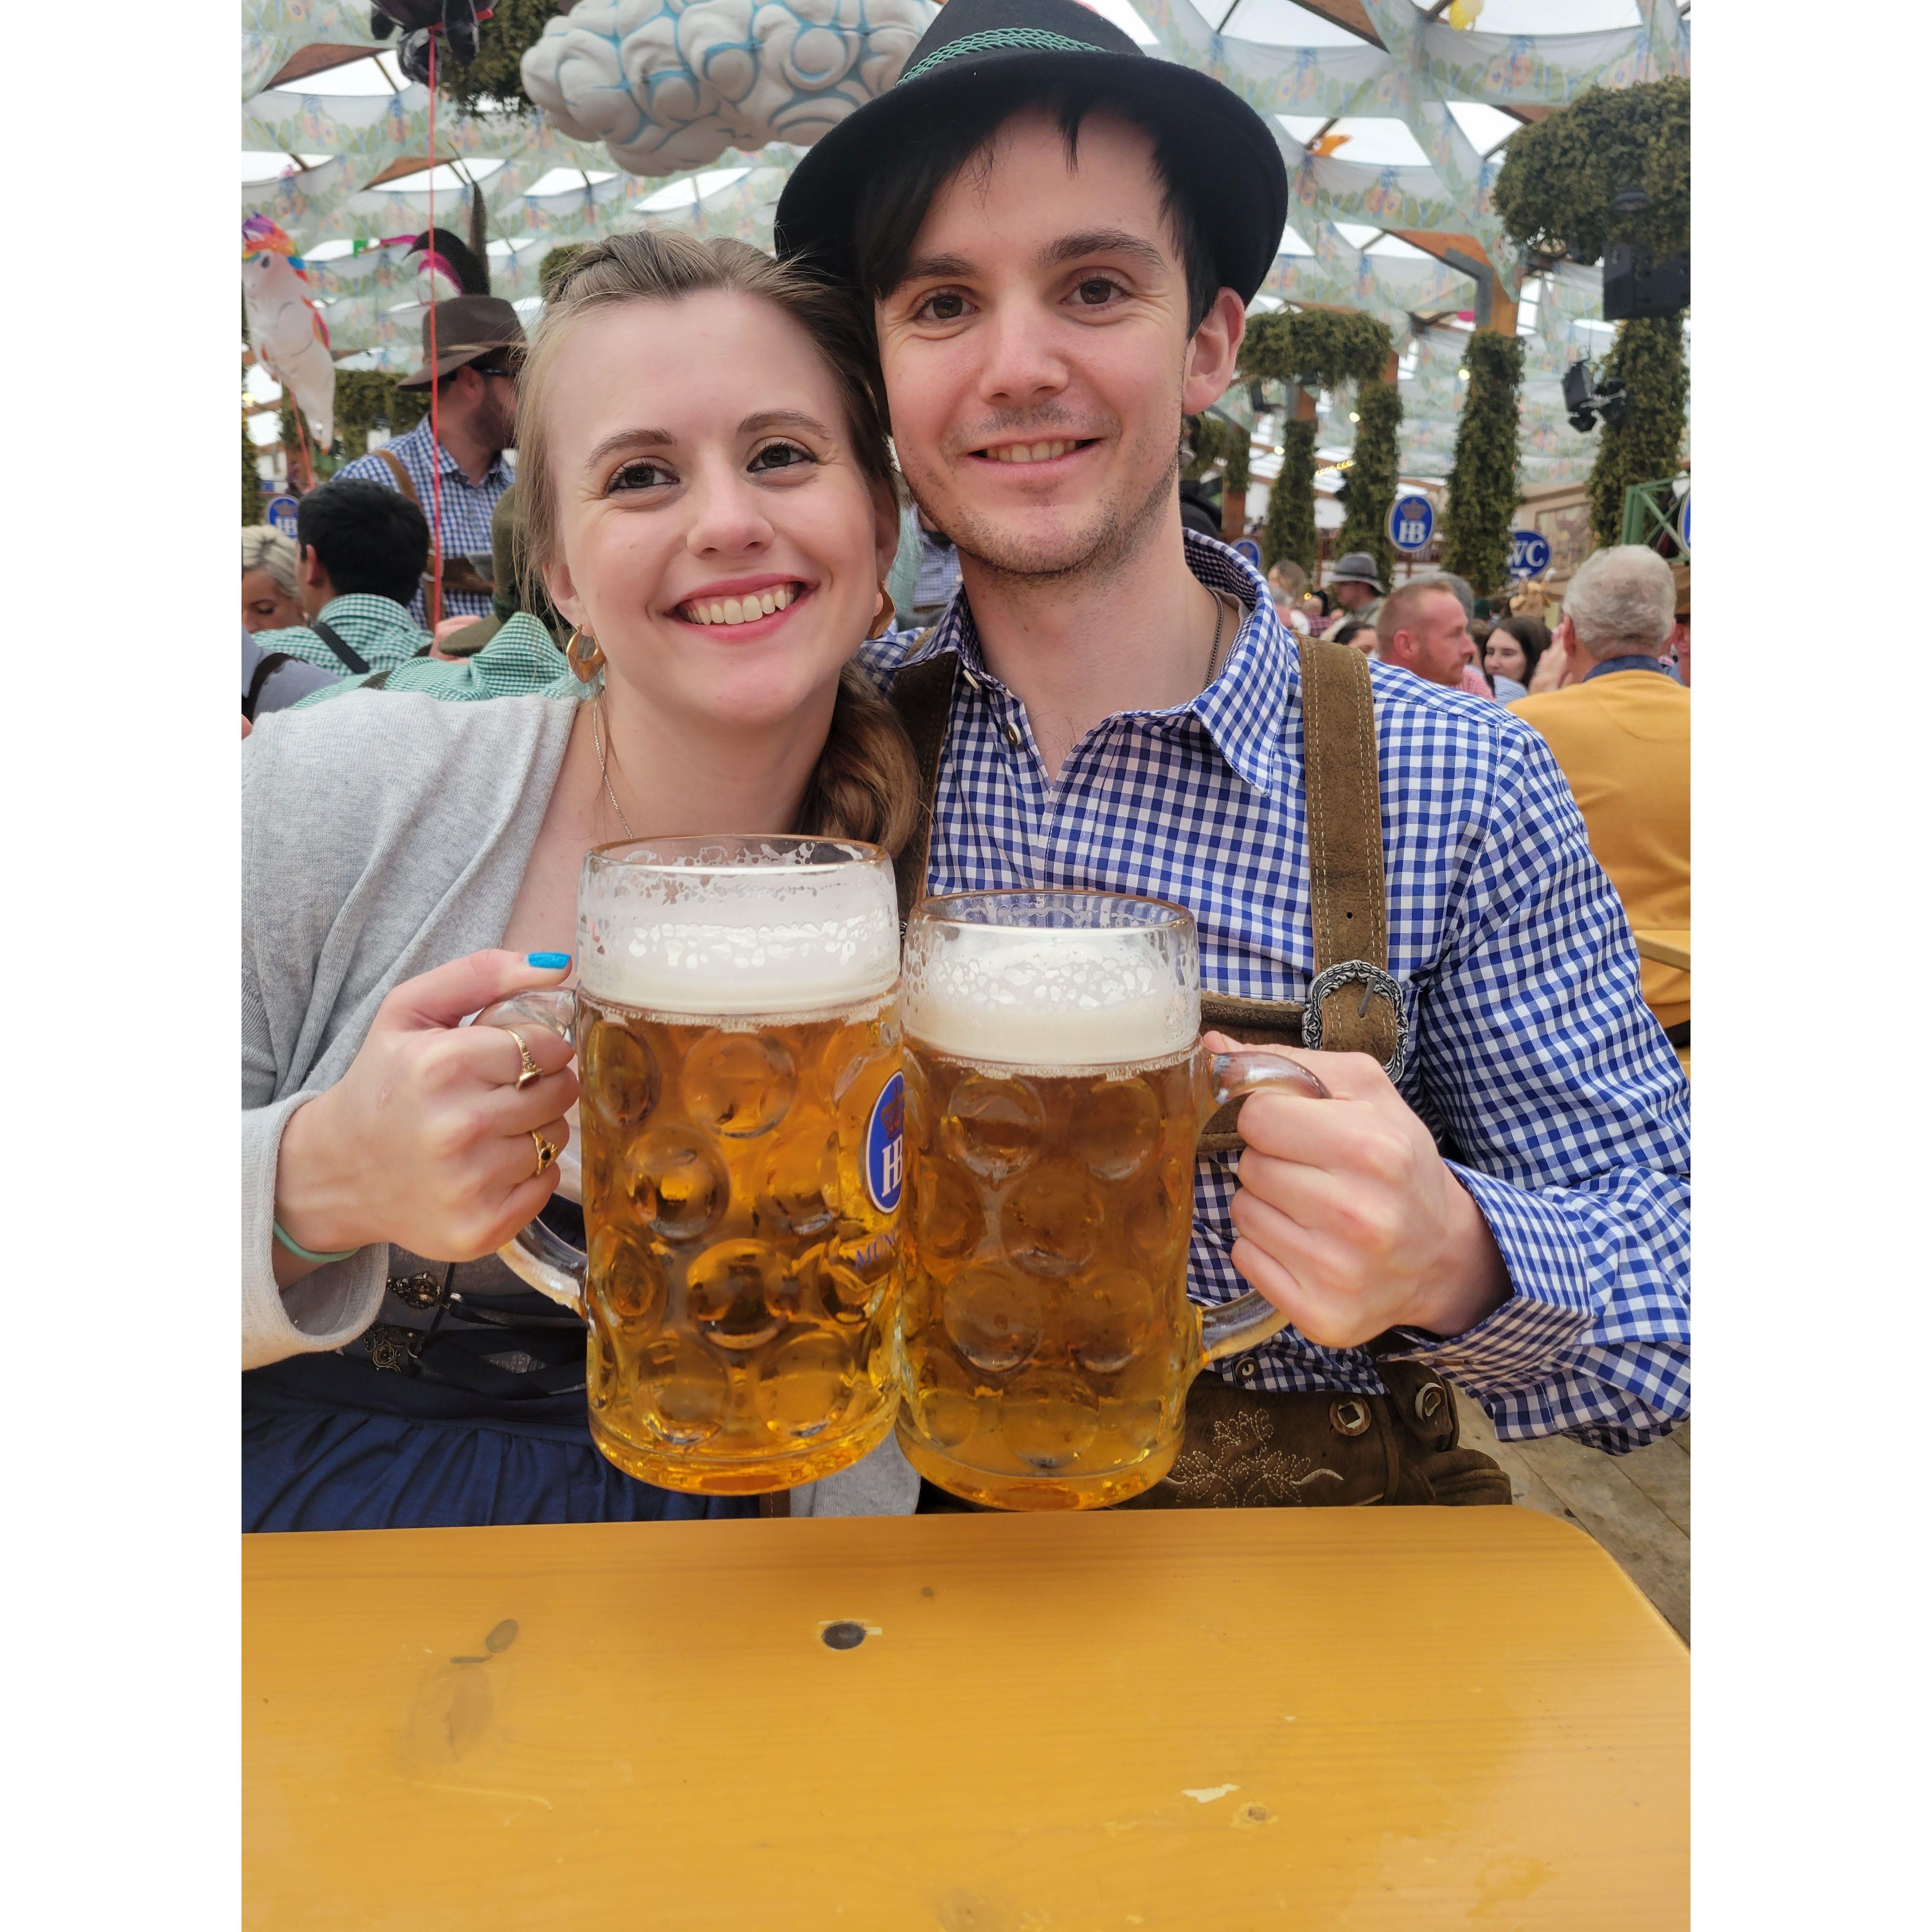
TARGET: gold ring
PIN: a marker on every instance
(546, 1153)
(532, 1071)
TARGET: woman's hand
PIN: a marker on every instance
(425, 1141)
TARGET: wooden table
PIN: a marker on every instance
(1194, 1719)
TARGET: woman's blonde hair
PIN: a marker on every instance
(265, 547)
(865, 784)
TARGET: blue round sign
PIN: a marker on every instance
(281, 513)
(885, 1146)
(1684, 523)
(1412, 522)
(1529, 553)
(1247, 547)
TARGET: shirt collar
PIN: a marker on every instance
(1242, 711)
(449, 465)
(1630, 660)
(365, 608)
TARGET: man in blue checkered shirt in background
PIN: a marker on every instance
(1056, 236)
(480, 346)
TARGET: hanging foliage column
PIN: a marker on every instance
(1554, 192)
(1318, 348)
(1373, 474)
(1482, 495)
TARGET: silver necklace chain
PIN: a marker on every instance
(603, 764)
(1220, 620)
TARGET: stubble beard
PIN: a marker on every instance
(1116, 532)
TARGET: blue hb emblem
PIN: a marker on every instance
(885, 1146)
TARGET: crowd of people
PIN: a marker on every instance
(760, 503)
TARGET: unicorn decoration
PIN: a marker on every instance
(286, 329)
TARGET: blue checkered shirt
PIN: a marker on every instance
(1533, 1057)
(467, 507)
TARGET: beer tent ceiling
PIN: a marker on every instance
(1393, 118)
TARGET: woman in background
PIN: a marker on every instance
(270, 601)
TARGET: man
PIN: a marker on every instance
(360, 549)
(1619, 724)
(479, 347)
(1355, 586)
(1420, 627)
(1057, 235)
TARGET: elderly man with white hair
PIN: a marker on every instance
(1624, 743)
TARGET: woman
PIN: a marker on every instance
(708, 493)
(1512, 652)
(270, 601)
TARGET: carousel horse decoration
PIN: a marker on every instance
(286, 329)
(667, 84)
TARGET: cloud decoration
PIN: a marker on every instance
(667, 84)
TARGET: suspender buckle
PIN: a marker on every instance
(1372, 980)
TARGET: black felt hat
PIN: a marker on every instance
(1228, 165)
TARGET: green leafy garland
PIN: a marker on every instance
(1482, 497)
(1649, 358)
(361, 395)
(251, 481)
(1559, 176)
(495, 77)
(1368, 487)
(1323, 349)
(1290, 530)
(555, 265)
(1554, 194)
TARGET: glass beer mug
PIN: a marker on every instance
(736, 1026)
(1056, 1091)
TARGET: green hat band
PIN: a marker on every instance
(1000, 40)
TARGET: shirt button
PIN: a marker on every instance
(1013, 736)
(1246, 1369)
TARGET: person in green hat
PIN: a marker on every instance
(1056, 237)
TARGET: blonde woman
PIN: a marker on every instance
(270, 600)
(696, 423)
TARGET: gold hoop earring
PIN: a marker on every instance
(586, 665)
(882, 619)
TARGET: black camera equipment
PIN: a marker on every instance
(456, 20)
(1586, 400)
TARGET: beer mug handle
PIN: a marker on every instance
(1231, 1327)
(546, 1261)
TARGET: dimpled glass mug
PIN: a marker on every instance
(1056, 1091)
(736, 1025)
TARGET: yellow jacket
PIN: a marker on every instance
(1624, 743)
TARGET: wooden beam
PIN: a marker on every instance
(1349, 14)
(410, 164)
(316, 59)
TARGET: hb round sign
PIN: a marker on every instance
(885, 1146)
(1529, 553)
(281, 513)
(1412, 522)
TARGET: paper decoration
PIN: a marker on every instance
(285, 329)
(670, 84)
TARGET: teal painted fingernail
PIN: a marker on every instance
(550, 961)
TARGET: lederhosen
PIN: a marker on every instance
(1244, 1446)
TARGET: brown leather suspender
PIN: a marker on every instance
(1358, 1012)
(458, 572)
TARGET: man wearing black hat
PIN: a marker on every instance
(479, 345)
(1057, 235)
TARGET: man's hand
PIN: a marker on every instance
(1348, 1221)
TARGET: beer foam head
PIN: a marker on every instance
(737, 926)
(1049, 996)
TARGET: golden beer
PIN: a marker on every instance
(1055, 1093)
(738, 1051)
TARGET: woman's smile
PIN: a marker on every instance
(749, 607)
